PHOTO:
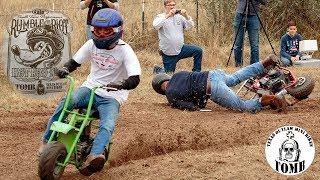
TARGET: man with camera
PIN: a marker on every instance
(247, 14)
(94, 6)
(170, 26)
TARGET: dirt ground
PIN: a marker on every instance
(153, 141)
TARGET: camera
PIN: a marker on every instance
(99, 3)
(178, 11)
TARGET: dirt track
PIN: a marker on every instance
(154, 141)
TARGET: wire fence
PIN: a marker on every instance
(212, 17)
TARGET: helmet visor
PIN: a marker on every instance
(103, 32)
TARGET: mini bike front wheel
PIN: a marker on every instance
(48, 168)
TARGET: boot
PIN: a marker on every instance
(270, 62)
(278, 103)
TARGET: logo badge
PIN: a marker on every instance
(37, 43)
(290, 150)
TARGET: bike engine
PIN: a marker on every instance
(274, 81)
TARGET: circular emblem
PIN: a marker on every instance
(290, 150)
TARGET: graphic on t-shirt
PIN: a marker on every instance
(293, 46)
(178, 22)
(105, 61)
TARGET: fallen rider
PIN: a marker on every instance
(191, 90)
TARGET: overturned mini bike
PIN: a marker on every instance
(71, 140)
(279, 81)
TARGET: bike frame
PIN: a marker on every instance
(68, 134)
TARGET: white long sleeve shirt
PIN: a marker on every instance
(170, 32)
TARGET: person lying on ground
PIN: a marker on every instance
(191, 90)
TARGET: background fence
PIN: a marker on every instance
(213, 18)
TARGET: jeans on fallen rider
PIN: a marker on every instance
(222, 94)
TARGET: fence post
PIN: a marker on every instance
(143, 18)
(197, 15)
(52, 6)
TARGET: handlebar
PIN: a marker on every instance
(109, 88)
(72, 83)
(71, 88)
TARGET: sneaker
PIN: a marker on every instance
(92, 164)
(158, 69)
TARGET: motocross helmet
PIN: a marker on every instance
(157, 82)
(107, 28)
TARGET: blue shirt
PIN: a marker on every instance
(290, 45)
(187, 90)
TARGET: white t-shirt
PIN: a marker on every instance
(170, 32)
(107, 66)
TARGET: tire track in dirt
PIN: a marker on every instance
(182, 133)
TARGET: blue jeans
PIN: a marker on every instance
(252, 27)
(170, 62)
(89, 32)
(222, 94)
(108, 111)
(286, 62)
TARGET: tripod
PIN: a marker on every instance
(245, 11)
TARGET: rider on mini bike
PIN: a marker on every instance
(112, 61)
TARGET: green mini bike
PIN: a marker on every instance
(70, 141)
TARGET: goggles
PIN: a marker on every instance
(103, 32)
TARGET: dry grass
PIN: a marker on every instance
(11, 99)
(216, 55)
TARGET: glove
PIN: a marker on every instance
(63, 72)
(117, 86)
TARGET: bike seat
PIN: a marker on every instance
(93, 114)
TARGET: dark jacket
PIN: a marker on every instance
(187, 90)
(256, 3)
(290, 45)
(94, 7)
